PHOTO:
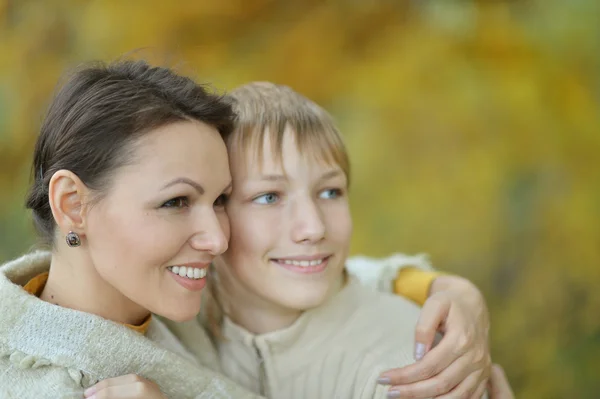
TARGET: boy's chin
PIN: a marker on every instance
(305, 299)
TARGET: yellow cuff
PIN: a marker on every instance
(414, 283)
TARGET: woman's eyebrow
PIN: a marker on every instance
(185, 180)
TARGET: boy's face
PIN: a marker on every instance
(290, 227)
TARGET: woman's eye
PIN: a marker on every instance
(179, 202)
(222, 200)
(331, 193)
(266, 199)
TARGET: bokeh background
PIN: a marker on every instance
(473, 127)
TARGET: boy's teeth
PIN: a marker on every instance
(188, 272)
(303, 263)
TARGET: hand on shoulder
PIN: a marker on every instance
(129, 386)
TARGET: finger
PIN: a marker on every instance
(127, 391)
(440, 384)
(499, 385)
(466, 387)
(478, 394)
(111, 382)
(436, 360)
(433, 313)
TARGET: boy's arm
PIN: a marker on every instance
(453, 306)
(407, 275)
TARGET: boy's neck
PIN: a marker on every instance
(258, 315)
(250, 311)
(262, 318)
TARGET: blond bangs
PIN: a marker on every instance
(265, 110)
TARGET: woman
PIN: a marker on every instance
(131, 177)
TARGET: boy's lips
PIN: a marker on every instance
(303, 257)
(304, 264)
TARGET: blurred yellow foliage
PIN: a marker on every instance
(473, 127)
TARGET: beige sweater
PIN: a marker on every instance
(48, 351)
(335, 351)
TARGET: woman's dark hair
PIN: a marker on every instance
(95, 118)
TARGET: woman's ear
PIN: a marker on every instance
(68, 197)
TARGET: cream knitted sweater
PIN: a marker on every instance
(337, 350)
(48, 351)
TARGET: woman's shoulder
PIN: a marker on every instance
(191, 338)
(23, 377)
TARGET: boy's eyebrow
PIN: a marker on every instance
(273, 177)
(331, 174)
(325, 176)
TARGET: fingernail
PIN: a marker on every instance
(384, 381)
(89, 392)
(393, 394)
(419, 351)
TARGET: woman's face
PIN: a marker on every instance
(163, 221)
(290, 228)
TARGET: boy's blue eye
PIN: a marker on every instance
(179, 202)
(331, 193)
(266, 199)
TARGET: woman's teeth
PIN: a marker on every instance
(304, 263)
(188, 272)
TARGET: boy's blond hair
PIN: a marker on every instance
(264, 108)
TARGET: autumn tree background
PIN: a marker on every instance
(473, 127)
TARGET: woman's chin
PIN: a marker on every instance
(181, 314)
(181, 319)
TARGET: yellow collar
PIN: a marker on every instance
(36, 285)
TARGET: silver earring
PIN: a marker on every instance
(73, 239)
